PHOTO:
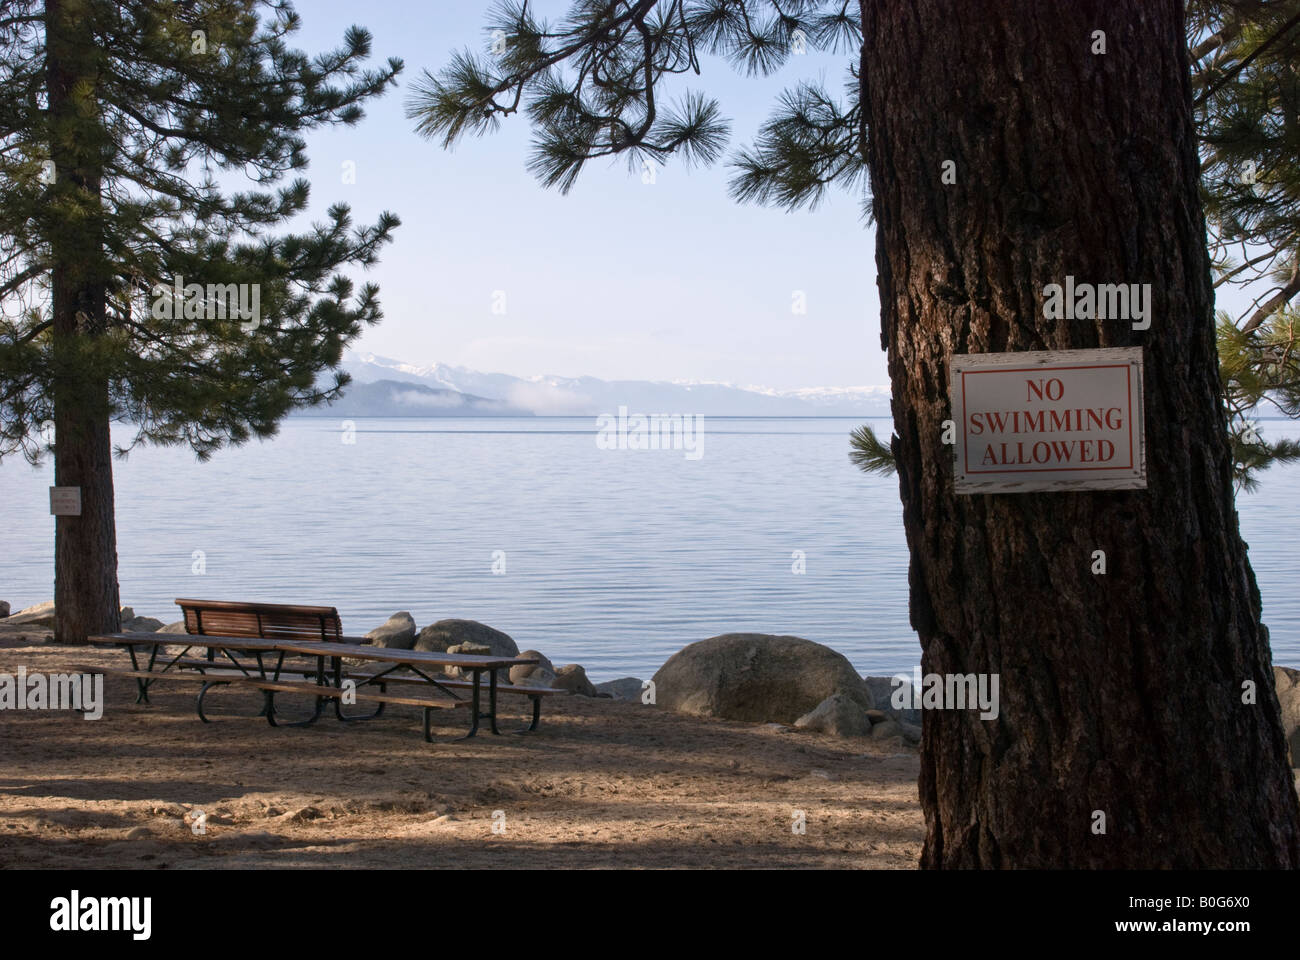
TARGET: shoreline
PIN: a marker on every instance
(602, 783)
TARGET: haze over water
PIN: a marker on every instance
(614, 559)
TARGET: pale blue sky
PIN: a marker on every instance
(619, 279)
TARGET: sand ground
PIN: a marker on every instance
(602, 783)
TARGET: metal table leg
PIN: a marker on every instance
(141, 684)
(474, 710)
(320, 701)
(492, 699)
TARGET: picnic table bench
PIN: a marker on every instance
(232, 632)
(300, 622)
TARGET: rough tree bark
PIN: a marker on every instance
(85, 547)
(1120, 693)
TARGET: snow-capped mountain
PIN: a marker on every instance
(589, 396)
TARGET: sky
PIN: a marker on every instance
(620, 279)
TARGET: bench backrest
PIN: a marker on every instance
(272, 621)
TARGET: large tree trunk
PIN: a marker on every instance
(85, 547)
(1120, 693)
(86, 599)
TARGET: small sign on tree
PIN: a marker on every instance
(65, 501)
(1049, 420)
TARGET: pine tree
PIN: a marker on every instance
(140, 281)
(1122, 695)
(1246, 90)
(1246, 85)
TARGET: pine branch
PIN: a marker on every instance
(869, 454)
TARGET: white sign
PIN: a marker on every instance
(65, 501)
(1051, 420)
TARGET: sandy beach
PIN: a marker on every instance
(602, 783)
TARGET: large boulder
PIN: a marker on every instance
(756, 676)
(39, 615)
(42, 615)
(573, 677)
(396, 633)
(625, 688)
(538, 674)
(438, 637)
(4, 609)
(838, 715)
(177, 627)
(1287, 682)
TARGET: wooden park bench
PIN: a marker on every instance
(266, 621)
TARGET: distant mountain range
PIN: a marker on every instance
(382, 387)
(403, 398)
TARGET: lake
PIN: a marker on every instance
(614, 559)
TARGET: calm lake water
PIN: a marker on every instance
(612, 559)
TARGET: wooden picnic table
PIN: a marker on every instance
(327, 683)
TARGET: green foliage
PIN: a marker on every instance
(1262, 370)
(810, 143)
(173, 102)
(869, 454)
(1247, 89)
(592, 87)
